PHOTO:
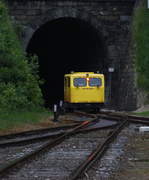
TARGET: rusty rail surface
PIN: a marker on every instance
(80, 127)
(48, 133)
(50, 129)
(98, 152)
(45, 137)
(38, 131)
(60, 139)
(131, 118)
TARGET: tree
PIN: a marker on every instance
(19, 85)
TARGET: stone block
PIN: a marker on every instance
(144, 129)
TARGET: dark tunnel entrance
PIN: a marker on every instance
(63, 45)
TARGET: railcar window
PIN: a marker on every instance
(95, 82)
(80, 82)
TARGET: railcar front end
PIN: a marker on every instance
(84, 90)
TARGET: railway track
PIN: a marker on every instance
(58, 140)
(91, 156)
(98, 152)
(79, 128)
(131, 118)
(43, 131)
(45, 134)
(59, 161)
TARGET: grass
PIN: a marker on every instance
(141, 40)
(145, 113)
(9, 120)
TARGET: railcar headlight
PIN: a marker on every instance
(87, 79)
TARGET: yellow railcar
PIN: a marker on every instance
(84, 88)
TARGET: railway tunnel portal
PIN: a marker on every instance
(80, 36)
(64, 45)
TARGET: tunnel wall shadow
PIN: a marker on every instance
(63, 45)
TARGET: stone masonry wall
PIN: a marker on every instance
(111, 18)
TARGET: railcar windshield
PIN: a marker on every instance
(80, 82)
(95, 82)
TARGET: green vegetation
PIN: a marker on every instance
(141, 40)
(19, 82)
(145, 113)
(20, 96)
(15, 119)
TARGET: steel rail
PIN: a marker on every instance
(29, 140)
(49, 145)
(85, 114)
(117, 115)
(97, 153)
(105, 115)
(131, 118)
(44, 130)
(14, 142)
(125, 114)
(38, 131)
(45, 137)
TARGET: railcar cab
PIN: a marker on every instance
(83, 89)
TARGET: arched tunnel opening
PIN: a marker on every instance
(64, 45)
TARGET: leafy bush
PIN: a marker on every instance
(141, 38)
(19, 82)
